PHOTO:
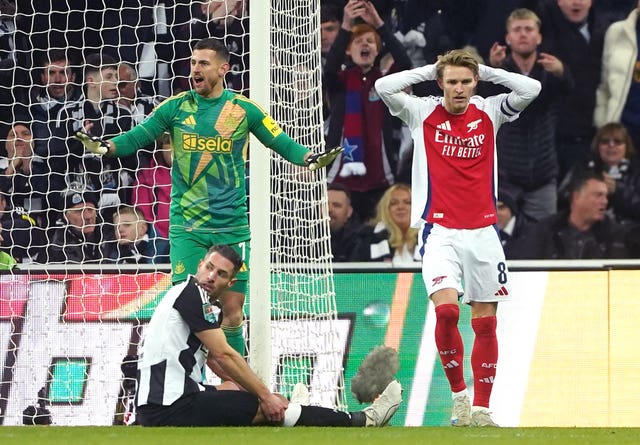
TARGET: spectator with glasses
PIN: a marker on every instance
(614, 156)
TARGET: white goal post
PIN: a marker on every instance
(299, 274)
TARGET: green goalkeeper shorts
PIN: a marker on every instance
(189, 247)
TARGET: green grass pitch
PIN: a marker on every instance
(56, 435)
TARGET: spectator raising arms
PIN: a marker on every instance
(527, 146)
(16, 176)
(359, 120)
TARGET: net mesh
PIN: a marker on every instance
(70, 330)
(303, 293)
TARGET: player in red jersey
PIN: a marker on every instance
(454, 185)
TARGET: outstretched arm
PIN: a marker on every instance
(269, 133)
(127, 143)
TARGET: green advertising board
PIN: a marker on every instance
(368, 298)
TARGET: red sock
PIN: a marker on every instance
(449, 343)
(484, 358)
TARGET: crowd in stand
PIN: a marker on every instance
(569, 178)
(567, 166)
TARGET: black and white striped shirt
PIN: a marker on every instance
(98, 173)
(172, 358)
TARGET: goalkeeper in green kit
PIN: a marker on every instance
(209, 128)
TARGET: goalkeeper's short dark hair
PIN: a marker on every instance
(214, 44)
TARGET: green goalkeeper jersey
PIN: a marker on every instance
(210, 139)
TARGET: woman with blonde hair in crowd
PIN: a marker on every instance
(389, 237)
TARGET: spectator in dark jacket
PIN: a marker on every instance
(574, 33)
(511, 222)
(16, 160)
(57, 88)
(527, 147)
(583, 232)
(343, 223)
(80, 240)
(613, 155)
(136, 242)
(98, 113)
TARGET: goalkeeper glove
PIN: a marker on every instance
(93, 143)
(321, 160)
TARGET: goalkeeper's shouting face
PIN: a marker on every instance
(217, 270)
(209, 64)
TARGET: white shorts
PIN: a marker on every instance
(469, 260)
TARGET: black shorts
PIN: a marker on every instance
(206, 408)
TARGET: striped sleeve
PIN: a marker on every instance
(524, 89)
(190, 304)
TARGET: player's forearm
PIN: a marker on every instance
(131, 141)
(524, 89)
(397, 82)
(237, 369)
(271, 135)
(217, 369)
(290, 149)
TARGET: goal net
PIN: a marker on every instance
(70, 331)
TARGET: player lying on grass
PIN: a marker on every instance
(184, 335)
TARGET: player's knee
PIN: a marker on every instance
(484, 326)
(232, 304)
(232, 318)
(231, 301)
(448, 313)
(481, 310)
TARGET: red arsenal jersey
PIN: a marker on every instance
(460, 154)
(454, 171)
